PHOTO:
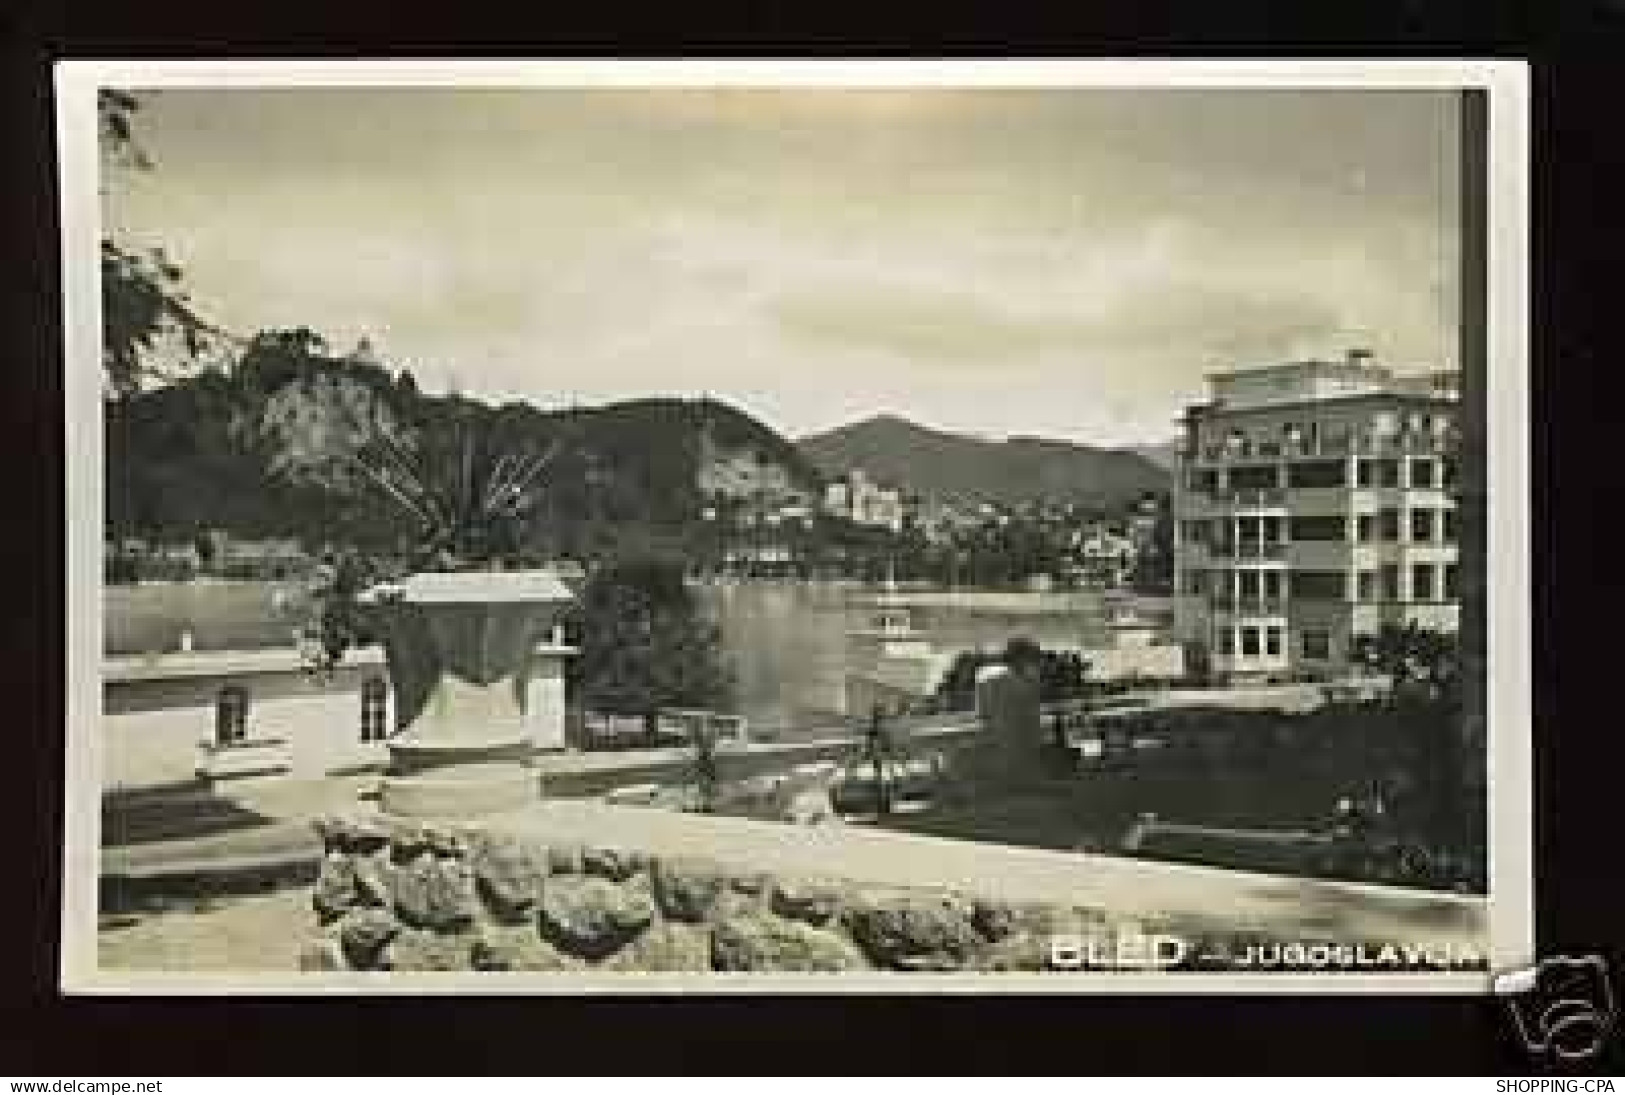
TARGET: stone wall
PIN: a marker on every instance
(529, 895)
(400, 896)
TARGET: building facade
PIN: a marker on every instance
(860, 499)
(1314, 504)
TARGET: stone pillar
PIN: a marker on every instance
(546, 706)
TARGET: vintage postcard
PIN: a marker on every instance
(870, 526)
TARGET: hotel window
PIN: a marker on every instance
(1422, 474)
(1317, 645)
(1204, 480)
(1317, 473)
(1452, 580)
(1388, 526)
(1317, 585)
(1389, 577)
(1366, 527)
(1196, 583)
(1272, 585)
(1255, 477)
(1367, 580)
(1451, 532)
(1270, 529)
(1365, 473)
(1249, 585)
(1272, 641)
(1227, 641)
(1447, 473)
(1386, 472)
(1249, 642)
(1196, 532)
(1422, 589)
(1322, 528)
(1422, 526)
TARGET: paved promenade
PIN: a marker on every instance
(177, 829)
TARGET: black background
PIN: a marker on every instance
(1578, 310)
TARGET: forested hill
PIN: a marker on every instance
(262, 449)
(935, 463)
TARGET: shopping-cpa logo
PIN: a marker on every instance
(1562, 1007)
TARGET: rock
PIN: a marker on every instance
(914, 932)
(665, 948)
(433, 893)
(762, 942)
(519, 949)
(424, 951)
(611, 863)
(1034, 931)
(363, 934)
(591, 917)
(321, 955)
(993, 919)
(731, 902)
(564, 859)
(509, 877)
(752, 885)
(445, 841)
(686, 889)
(1056, 920)
(408, 840)
(811, 901)
(1019, 951)
(351, 833)
(336, 892)
(372, 877)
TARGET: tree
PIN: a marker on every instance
(1424, 667)
(142, 299)
(1422, 664)
(1154, 565)
(1062, 675)
(645, 643)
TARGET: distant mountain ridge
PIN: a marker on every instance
(938, 464)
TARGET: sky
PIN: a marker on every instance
(1065, 263)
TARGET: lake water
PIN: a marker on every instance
(786, 641)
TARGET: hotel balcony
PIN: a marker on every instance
(1269, 551)
(1340, 444)
(1410, 444)
(1287, 449)
(1226, 604)
(1226, 502)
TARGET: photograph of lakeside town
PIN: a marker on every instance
(523, 507)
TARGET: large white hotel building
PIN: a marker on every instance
(1314, 503)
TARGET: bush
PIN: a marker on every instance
(1062, 675)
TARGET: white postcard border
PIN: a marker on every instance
(1511, 907)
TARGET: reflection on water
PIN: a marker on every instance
(220, 614)
(785, 641)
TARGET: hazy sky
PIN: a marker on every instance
(1056, 262)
